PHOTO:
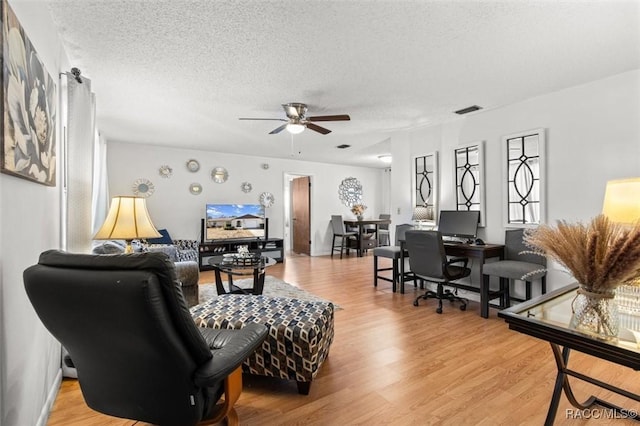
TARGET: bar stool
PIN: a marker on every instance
(390, 252)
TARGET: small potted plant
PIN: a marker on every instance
(358, 210)
(601, 256)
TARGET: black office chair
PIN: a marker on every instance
(429, 263)
(337, 225)
(137, 351)
(390, 252)
(517, 265)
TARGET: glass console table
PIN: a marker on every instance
(547, 317)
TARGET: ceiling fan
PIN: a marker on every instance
(297, 120)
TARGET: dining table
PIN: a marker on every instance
(364, 241)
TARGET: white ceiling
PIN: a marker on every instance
(180, 73)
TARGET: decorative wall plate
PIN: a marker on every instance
(265, 166)
(246, 187)
(165, 171)
(219, 175)
(266, 199)
(143, 187)
(193, 165)
(195, 189)
(350, 191)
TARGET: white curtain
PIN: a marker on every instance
(78, 167)
(100, 201)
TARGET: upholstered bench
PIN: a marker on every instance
(300, 333)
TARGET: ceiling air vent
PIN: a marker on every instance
(343, 146)
(467, 110)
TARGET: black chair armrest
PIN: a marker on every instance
(458, 260)
(229, 349)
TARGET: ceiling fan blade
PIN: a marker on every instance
(340, 117)
(279, 129)
(317, 128)
(269, 119)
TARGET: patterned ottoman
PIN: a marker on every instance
(300, 333)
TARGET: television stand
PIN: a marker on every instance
(214, 250)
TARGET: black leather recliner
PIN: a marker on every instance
(137, 351)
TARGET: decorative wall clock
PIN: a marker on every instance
(266, 199)
(143, 187)
(193, 165)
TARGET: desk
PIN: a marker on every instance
(231, 267)
(547, 317)
(361, 242)
(473, 251)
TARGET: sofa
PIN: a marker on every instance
(184, 254)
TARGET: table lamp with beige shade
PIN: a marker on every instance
(622, 205)
(622, 201)
(128, 219)
(422, 214)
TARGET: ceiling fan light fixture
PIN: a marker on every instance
(295, 128)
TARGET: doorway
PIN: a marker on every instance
(299, 213)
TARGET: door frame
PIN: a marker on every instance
(288, 226)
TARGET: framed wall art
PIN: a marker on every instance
(29, 103)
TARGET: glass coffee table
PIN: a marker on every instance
(548, 317)
(240, 266)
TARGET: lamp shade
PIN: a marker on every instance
(128, 219)
(422, 213)
(622, 201)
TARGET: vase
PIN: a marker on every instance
(595, 312)
(359, 217)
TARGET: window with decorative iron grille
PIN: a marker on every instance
(524, 173)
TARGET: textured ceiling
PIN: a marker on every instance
(180, 73)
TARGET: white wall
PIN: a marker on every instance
(173, 207)
(593, 135)
(29, 224)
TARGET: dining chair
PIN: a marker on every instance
(339, 231)
(393, 253)
(518, 264)
(383, 231)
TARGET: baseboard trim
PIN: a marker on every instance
(51, 399)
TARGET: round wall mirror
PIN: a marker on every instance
(350, 191)
(219, 175)
(195, 188)
(143, 187)
(193, 165)
(266, 199)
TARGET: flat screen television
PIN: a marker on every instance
(234, 221)
(459, 223)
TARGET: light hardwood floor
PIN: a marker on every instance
(395, 364)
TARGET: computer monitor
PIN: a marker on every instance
(459, 223)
